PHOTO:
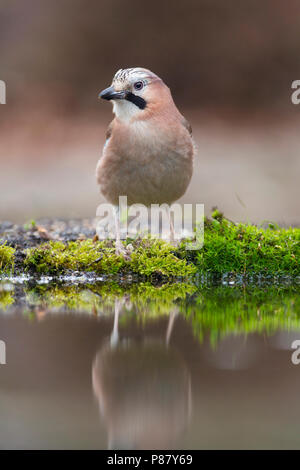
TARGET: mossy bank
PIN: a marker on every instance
(228, 248)
(7, 259)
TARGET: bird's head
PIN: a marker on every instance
(134, 92)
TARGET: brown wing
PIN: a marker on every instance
(187, 125)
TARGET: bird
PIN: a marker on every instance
(149, 150)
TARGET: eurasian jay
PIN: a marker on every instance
(148, 153)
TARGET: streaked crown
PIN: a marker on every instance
(134, 74)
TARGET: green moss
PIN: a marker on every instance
(31, 225)
(56, 257)
(149, 257)
(6, 258)
(228, 247)
(245, 248)
(157, 256)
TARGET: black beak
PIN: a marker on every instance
(111, 94)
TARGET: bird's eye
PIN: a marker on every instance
(138, 85)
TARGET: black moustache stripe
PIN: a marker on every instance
(137, 100)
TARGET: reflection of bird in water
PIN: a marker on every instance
(144, 390)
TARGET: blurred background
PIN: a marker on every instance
(229, 64)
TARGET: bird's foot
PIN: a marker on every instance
(120, 250)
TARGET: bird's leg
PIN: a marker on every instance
(172, 232)
(120, 250)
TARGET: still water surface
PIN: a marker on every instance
(130, 367)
